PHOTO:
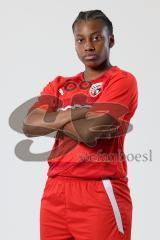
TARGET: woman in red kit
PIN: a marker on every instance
(86, 196)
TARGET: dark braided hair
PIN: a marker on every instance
(93, 15)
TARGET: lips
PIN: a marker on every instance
(90, 56)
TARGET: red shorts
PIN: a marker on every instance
(85, 209)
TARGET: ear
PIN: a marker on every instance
(111, 41)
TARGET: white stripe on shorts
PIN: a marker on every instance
(109, 190)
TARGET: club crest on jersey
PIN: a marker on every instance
(95, 89)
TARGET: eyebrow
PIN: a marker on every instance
(91, 33)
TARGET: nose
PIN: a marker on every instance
(89, 46)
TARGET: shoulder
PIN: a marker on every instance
(126, 74)
(60, 80)
(123, 78)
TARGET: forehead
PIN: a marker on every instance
(89, 27)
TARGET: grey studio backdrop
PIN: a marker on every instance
(37, 45)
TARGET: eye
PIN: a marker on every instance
(79, 40)
(97, 38)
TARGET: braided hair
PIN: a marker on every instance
(93, 15)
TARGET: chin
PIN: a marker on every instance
(91, 64)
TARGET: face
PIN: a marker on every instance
(92, 42)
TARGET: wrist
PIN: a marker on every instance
(78, 113)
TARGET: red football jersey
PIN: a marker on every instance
(117, 91)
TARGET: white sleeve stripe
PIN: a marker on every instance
(74, 106)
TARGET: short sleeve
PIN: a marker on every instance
(120, 96)
(47, 99)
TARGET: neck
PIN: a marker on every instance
(92, 73)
